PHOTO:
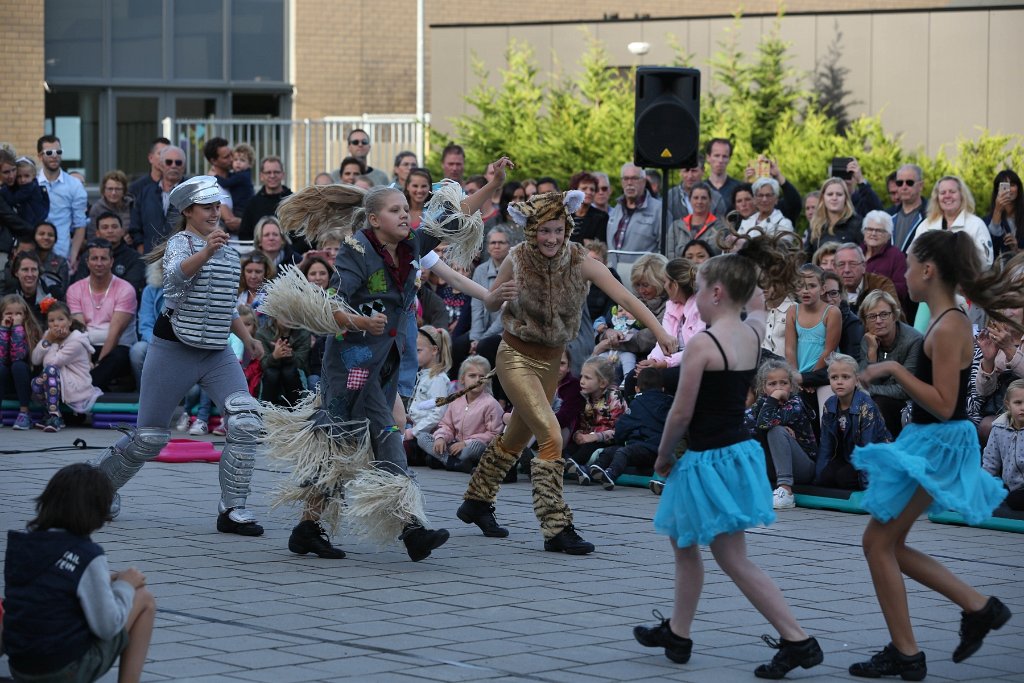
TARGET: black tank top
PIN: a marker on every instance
(721, 402)
(919, 415)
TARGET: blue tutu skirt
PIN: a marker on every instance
(715, 492)
(943, 458)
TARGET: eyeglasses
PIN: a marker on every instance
(359, 142)
(113, 188)
(770, 195)
(174, 162)
(839, 265)
(883, 316)
(874, 230)
(831, 293)
(908, 183)
(53, 152)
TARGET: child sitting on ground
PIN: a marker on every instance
(568, 402)
(602, 407)
(470, 422)
(639, 428)
(65, 355)
(850, 419)
(1004, 452)
(67, 616)
(779, 421)
(19, 334)
(434, 358)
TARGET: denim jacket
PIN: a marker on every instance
(865, 426)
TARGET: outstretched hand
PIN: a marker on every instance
(497, 169)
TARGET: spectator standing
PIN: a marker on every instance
(106, 305)
(882, 256)
(359, 147)
(951, 207)
(862, 195)
(265, 202)
(678, 197)
(417, 189)
(153, 214)
(589, 223)
(268, 238)
(719, 153)
(1006, 222)
(114, 198)
(603, 195)
(634, 225)
(68, 199)
(768, 218)
(23, 193)
(238, 186)
(911, 209)
(453, 162)
(834, 219)
(156, 168)
(699, 223)
(404, 162)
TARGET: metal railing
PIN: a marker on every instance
(307, 146)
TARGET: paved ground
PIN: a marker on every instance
(234, 609)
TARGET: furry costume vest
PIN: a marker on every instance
(551, 295)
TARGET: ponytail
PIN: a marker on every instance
(956, 259)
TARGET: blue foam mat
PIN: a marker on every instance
(997, 523)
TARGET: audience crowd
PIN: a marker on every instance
(80, 303)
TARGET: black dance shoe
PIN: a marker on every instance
(420, 542)
(482, 514)
(974, 626)
(310, 537)
(790, 655)
(676, 647)
(892, 662)
(238, 521)
(569, 542)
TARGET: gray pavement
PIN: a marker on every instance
(238, 609)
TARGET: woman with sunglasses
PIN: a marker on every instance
(190, 346)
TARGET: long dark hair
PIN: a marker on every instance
(76, 499)
(1017, 212)
(956, 258)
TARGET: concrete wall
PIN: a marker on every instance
(933, 75)
(21, 75)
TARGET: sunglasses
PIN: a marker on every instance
(908, 183)
(53, 152)
(174, 162)
(359, 142)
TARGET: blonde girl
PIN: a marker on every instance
(434, 357)
(470, 422)
(19, 334)
(595, 429)
(834, 219)
(813, 328)
(65, 355)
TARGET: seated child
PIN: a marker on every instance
(568, 402)
(1004, 452)
(639, 428)
(434, 358)
(65, 355)
(19, 334)
(850, 419)
(779, 421)
(601, 409)
(67, 616)
(470, 422)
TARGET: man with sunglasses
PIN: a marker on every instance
(68, 199)
(359, 147)
(153, 216)
(911, 209)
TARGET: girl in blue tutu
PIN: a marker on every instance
(719, 487)
(935, 463)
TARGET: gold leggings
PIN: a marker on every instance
(530, 384)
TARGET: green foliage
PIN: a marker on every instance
(559, 125)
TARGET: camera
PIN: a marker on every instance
(839, 165)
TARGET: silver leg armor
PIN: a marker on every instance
(121, 461)
(239, 456)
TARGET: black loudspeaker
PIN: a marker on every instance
(666, 129)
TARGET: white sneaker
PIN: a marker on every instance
(182, 425)
(783, 499)
(198, 428)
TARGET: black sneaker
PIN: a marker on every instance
(656, 486)
(603, 477)
(892, 662)
(569, 542)
(310, 537)
(676, 647)
(571, 467)
(238, 521)
(790, 655)
(482, 514)
(419, 542)
(974, 626)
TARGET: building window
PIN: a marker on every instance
(257, 40)
(136, 37)
(74, 38)
(198, 40)
(74, 117)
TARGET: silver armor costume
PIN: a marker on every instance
(203, 305)
(239, 456)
